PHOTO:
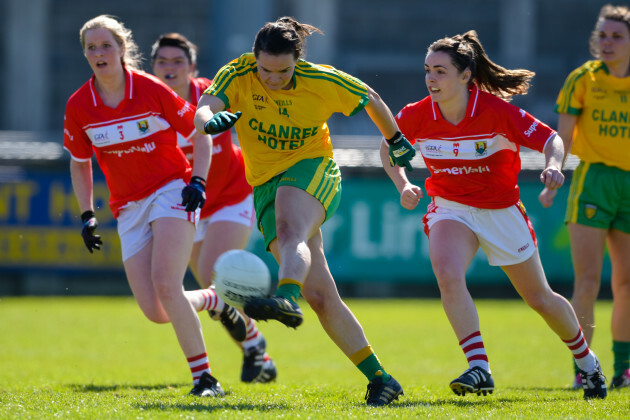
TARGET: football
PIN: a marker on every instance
(240, 276)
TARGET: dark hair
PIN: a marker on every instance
(466, 52)
(608, 12)
(284, 36)
(177, 40)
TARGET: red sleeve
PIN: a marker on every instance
(74, 138)
(179, 113)
(526, 130)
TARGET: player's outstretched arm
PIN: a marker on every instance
(211, 117)
(410, 194)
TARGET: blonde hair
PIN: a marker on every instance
(131, 57)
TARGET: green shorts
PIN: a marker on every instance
(320, 177)
(599, 197)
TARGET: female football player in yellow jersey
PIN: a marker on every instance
(594, 118)
(284, 102)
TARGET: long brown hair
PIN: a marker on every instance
(284, 36)
(608, 12)
(466, 52)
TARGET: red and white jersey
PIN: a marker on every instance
(475, 162)
(226, 184)
(135, 143)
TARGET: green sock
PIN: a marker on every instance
(621, 352)
(371, 368)
(289, 291)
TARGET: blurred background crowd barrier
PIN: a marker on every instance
(374, 246)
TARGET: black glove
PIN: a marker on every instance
(194, 194)
(221, 121)
(89, 226)
(400, 151)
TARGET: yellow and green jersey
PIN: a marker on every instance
(602, 102)
(281, 127)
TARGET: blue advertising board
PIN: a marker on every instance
(371, 238)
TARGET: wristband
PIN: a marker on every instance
(207, 128)
(87, 215)
(394, 139)
(198, 180)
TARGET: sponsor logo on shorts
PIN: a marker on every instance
(590, 210)
(523, 248)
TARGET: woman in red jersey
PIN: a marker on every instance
(470, 137)
(598, 208)
(130, 121)
(228, 216)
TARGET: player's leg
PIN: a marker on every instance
(619, 251)
(212, 238)
(587, 254)
(296, 216)
(138, 271)
(290, 209)
(172, 244)
(530, 282)
(450, 259)
(288, 216)
(590, 212)
(343, 327)
(230, 228)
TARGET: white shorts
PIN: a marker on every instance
(242, 213)
(134, 221)
(506, 236)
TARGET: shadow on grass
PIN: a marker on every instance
(472, 400)
(209, 405)
(112, 388)
(185, 403)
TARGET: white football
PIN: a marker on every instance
(240, 276)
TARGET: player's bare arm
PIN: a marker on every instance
(410, 194)
(380, 114)
(552, 175)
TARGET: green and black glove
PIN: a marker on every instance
(400, 151)
(221, 121)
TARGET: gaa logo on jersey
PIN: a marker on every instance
(598, 92)
(481, 147)
(143, 126)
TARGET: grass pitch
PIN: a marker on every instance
(98, 358)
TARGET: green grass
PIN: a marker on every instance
(98, 358)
